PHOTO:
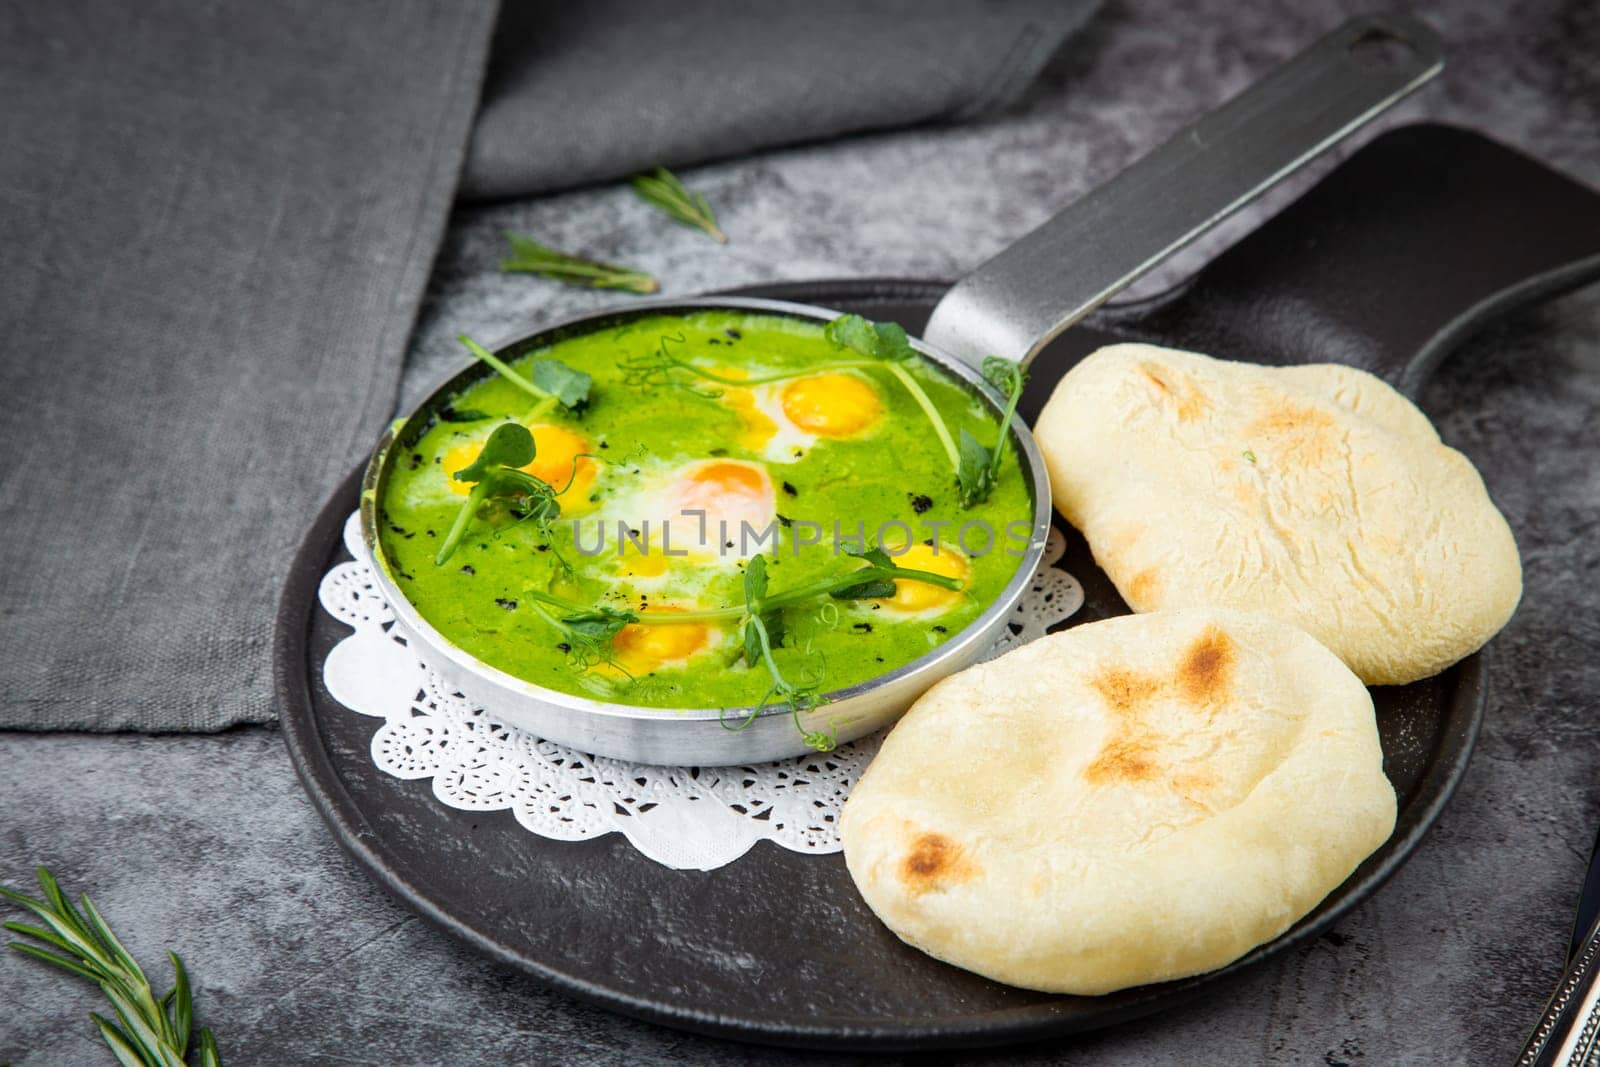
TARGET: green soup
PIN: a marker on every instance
(669, 483)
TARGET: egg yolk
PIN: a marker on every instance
(641, 648)
(756, 427)
(727, 491)
(914, 597)
(832, 404)
(635, 562)
(556, 461)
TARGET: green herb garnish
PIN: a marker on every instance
(887, 342)
(978, 469)
(150, 1031)
(872, 588)
(663, 190)
(588, 629)
(884, 346)
(762, 627)
(549, 381)
(531, 257)
(495, 476)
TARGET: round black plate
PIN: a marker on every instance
(775, 947)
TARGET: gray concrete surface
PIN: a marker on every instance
(207, 844)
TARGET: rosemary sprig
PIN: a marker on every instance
(529, 256)
(663, 190)
(149, 1031)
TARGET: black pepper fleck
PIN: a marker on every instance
(508, 604)
(790, 489)
(940, 630)
(862, 627)
(468, 569)
(731, 332)
(920, 502)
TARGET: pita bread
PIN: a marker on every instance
(1129, 801)
(1314, 494)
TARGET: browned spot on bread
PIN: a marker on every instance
(1142, 587)
(1206, 669)
(1297, 433)
(1123, 690)
(1189, 402)
(934, 861)
(1152, 374)
(1124, 759)
(1194, 784)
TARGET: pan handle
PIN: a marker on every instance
(1018, 301)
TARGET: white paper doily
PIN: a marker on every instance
(690, 818)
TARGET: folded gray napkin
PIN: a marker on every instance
(587, 92)
(218, 221)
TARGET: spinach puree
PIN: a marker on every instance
(847, 445)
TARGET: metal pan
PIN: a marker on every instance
(1010, 306)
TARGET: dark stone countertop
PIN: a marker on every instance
(207, 844)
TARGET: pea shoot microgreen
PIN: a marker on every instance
(762, 628)
(549, 381)
(149, 1031)
(887, 341)
(882, 346)
(978, 471)
(530, 257)
(663, 190)
(495, 476)
(587, 629)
